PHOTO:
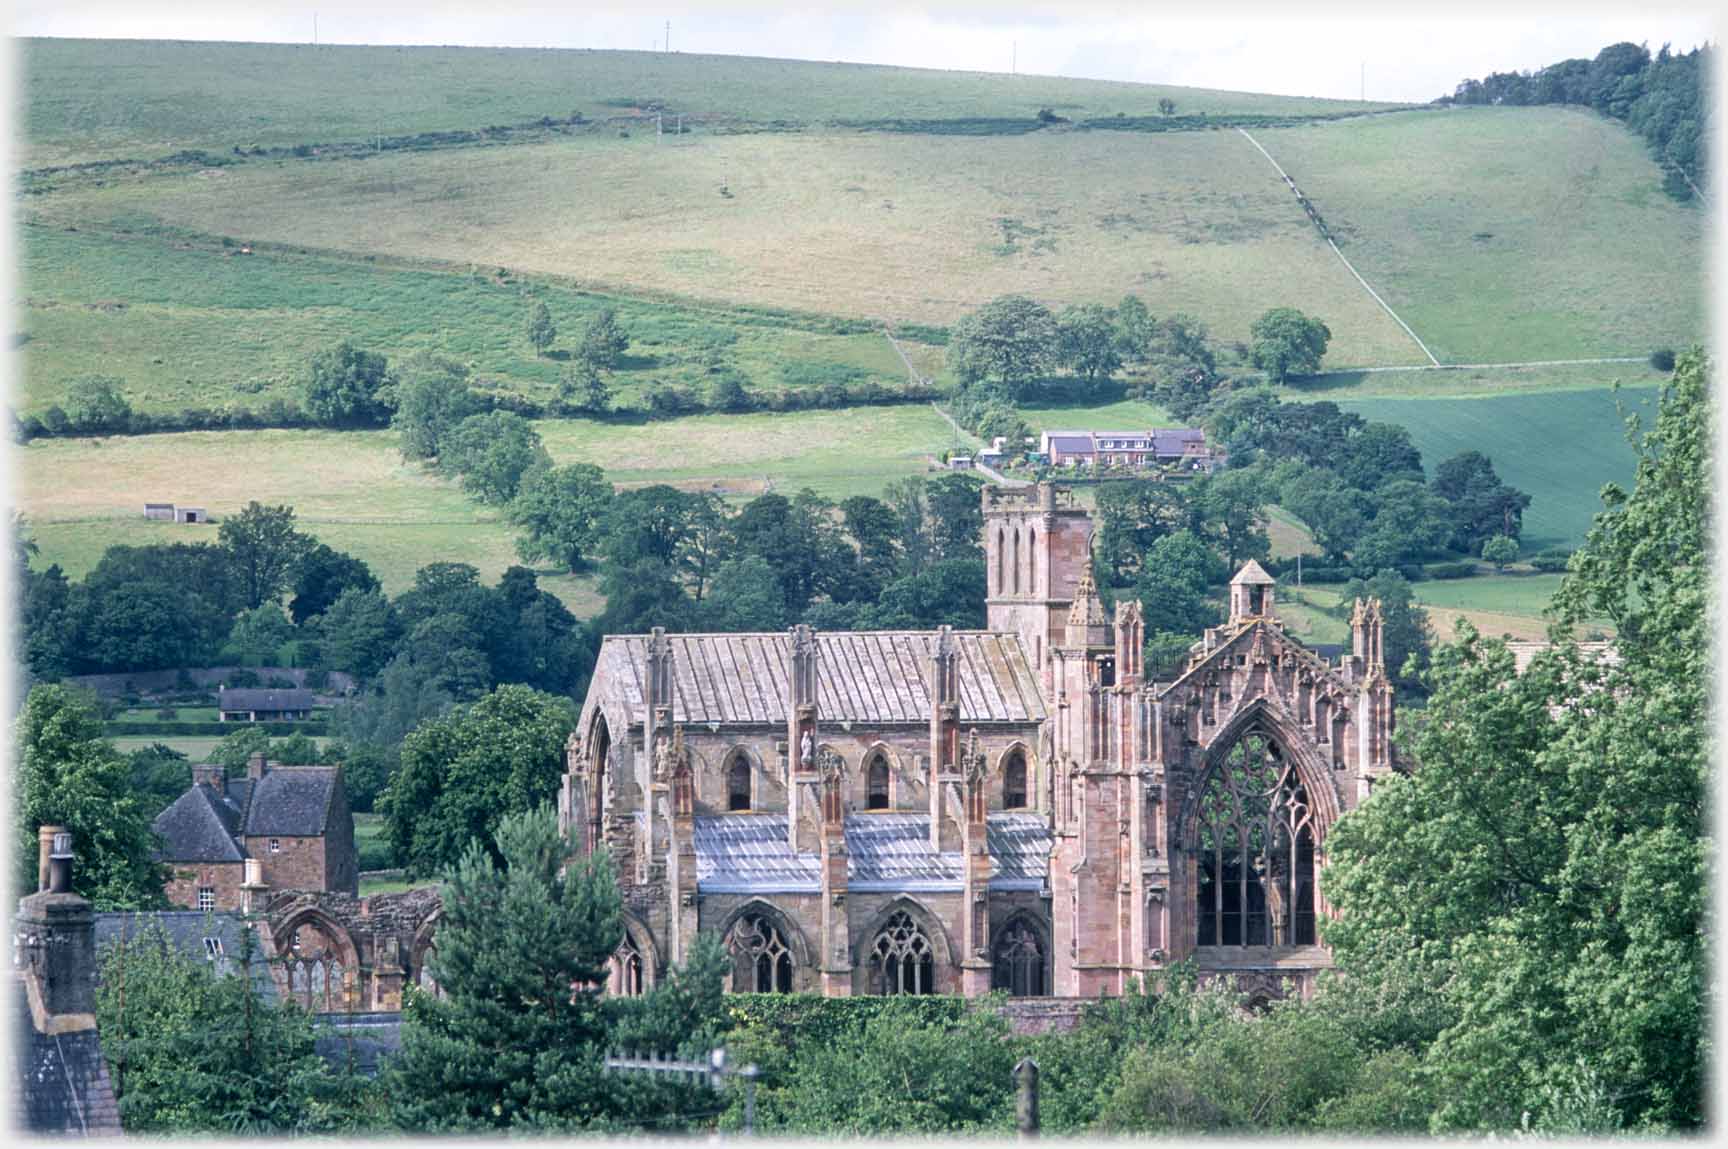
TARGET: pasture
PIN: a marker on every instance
(353, 491)
(888, 227)
(90, 100)
(196, 324)
(1557, 447)
(1507, 234)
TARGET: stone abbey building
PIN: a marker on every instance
(957, 811)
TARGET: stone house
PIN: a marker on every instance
(1017, 808)
(228, 842)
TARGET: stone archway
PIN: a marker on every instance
(1020, 956)
(318, 964)
(769, 951)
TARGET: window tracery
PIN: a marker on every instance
(901, 958)
(761, 959)
(1255, 850)
(1018, 961)
(738, 784)
(1014, 790)
(627, 978)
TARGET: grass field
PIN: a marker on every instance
(1469, 383)
(195, 324)
(352, 490)
(1559, 447)
(883, 226)
(1496, 605)
(102, 99)
(1507, 234)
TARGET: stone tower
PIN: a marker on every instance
(1037, 545)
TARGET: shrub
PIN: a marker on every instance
(1662, 359)
(1327, 574)
(1462, 569)
(1551, 562)
(168, 714)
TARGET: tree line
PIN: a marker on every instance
(1663, 98)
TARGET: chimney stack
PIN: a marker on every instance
(55, 943)
(211, 774)
(256, 765)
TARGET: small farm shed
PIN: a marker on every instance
(162, 511)
(191, 515)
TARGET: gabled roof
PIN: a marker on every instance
(748, 853)
(1252, 574)
(247, 699)
(200, 826)
(291, 802)
(863, 676)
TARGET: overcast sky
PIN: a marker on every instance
(1292, 49)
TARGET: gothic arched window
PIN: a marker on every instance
(627, 979)
(1017, 963)
(1001, 560)
(1014, 782)
(901, 958)
(876, 783)
(1032, 560)
(1256, 850)
(738, 784)
(761, 960)
(1016, 560)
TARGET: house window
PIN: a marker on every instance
(206, 898)
(275, 845)
(901, 958)
(738, 784)
(876, 782)
(1014, 782)
(213, 948)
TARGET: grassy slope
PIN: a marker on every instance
(158, 97)
(353, 491)
(1559, 448)
(190, 324)
(1507, 234)
(896, 227)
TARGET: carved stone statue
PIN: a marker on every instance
(807, 750)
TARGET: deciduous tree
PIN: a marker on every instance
(561, 512)
(348, 387)
(1286, 342)
(265, 549)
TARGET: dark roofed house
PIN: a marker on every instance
(246, 705)
(279, 828)
(1163, 446)
(218, 938)
(60, 1085)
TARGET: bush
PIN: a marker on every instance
(1327, 574)
(1551, 562)
(1662, 359)
(168, 714)
(1450, 570)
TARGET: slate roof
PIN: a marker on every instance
(291, 801)
(61, 1087)
(874, 677)
(1164, 441)
(368, 1038)
(1252, 574)
(748, 853)
(249, 699)
(204, 825)
(186, 930)
(200, 825)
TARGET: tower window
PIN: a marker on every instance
(876, 783)
(206, 898)
(738, 784)
(1014, 782)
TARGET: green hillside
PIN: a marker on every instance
(140, 99)
(1558, 447)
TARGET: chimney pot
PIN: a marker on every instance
(47, 845)
(255, 766)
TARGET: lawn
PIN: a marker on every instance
(187, 322)
(99, 99)
(893, 227)
(1559, 448)
(370, 843)
(1507, 234)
